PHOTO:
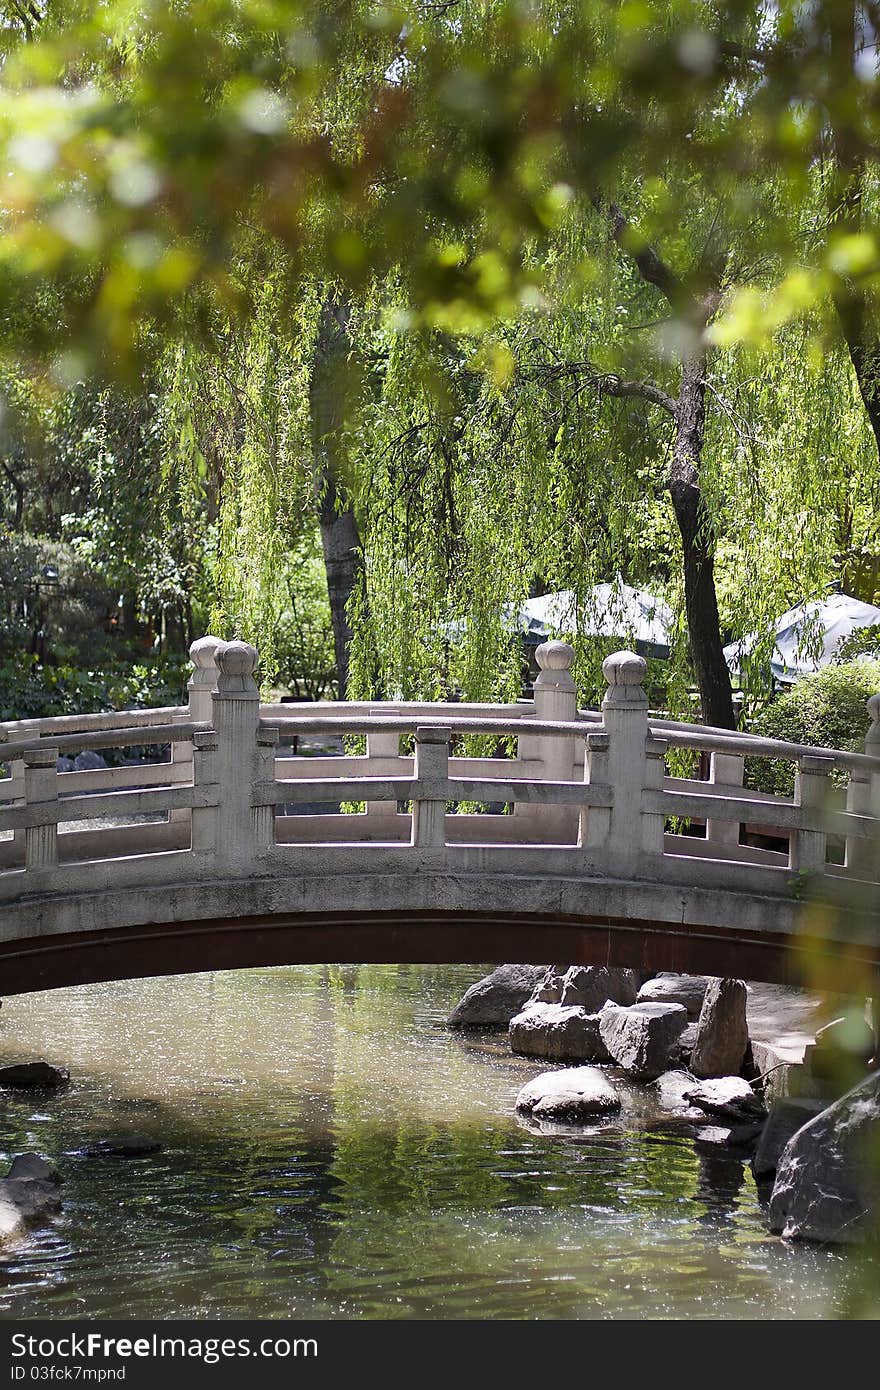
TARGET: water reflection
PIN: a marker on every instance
(329, 1150)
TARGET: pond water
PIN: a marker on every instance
(331, 1151)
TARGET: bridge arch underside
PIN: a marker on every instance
(50, 943)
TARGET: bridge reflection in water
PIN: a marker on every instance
(236, 851)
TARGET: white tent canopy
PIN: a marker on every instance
(607, 610)
(808, 635)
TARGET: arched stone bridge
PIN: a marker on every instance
(245, 848)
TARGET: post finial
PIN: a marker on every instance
(554, 659)
(203, 655)
(237, 662)
(625, 673)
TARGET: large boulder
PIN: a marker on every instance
(28, 1194)
(730, 1097)
(591, 986)
(549, 988)
(493, 1001)
(787, 1115)
(669, 988)
(575, 1093)
(827, 1184)
(33, 1076)
(559, 1032)
(641, 1038)
(722, 1031)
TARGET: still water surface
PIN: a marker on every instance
(330, 1151)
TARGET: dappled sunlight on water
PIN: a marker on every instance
(330, 1150)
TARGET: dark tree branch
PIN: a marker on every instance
(604, 383)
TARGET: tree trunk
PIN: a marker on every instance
(701, 604)
(340, 538)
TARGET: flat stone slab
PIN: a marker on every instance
(574, 1093)
(669, 988)
(559, 1032)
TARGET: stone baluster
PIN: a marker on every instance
(551, 759)
(201, 685)
(431, 765)
(381, 745)
(235, 706)
(595, 821)
(725, 770)
(863, 799)
(14, 788)
(811, 788)
(41, 790)
(206, 775)
(625, 718)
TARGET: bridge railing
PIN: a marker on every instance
(571, 791)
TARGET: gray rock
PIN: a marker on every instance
(25, 1197)
(839, 1057)
(549, 988)
(591, 986)
(828, 1180)
(671, 1089)
(89, 761)
(640, 1038)
(559, 1032)
(575, 1093)
(124, 1146)
(494, 1000)
(64, 764)
(731, 1097)
(786, 1117)
(32, 1166)
(722, 1030)
(744, 1136)
(33, 1076)
(668, 988)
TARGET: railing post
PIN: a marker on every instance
(235, 706)
(382, 744)
(625, 717)
(41, 789)
(652, 823)
(811, 785)
(200, 687)
(863, 799)
(431, 765)
(595, 821)
(205, 819)
(264, 816)
(725, 770)
(553, 758)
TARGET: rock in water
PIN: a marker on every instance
(575, 1093)
(591, 986)
(722, 1030)
(731, 1097)
(558, 1032)
(668, 988)
(641, 1037)
(828, 1180)
(787, 1116)
(28, 1193)
(549, 988)
(493, 1001)
(124, 1146)
(33, 1076)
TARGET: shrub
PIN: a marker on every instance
(825, 710)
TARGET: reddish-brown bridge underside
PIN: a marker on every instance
(183, 947)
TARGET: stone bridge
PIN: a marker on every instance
(231, 833)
